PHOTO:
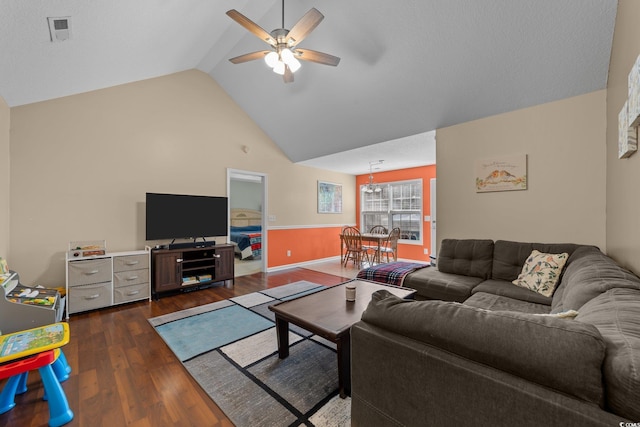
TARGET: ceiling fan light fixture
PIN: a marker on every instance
(289, 59)
(294, 65)
(271, 59)
(287, 56)
(279, 68)
(283, 59)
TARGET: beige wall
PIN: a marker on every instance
(4, 179)
(565, 199)
(81, 165)
(623, 175)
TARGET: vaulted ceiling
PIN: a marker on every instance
(407, 67)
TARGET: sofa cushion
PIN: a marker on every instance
(565, 355)
(508, 289)
(588, 274)
(470, 257)
(430, 283)
(616, 314)
(501, 303)
(509, 257)
(541, 272)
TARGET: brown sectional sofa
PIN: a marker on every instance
(478, 350)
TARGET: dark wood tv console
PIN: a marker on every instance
(188, 269)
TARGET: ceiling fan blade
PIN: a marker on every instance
(304, 26)
(251, 26)
(250, 56)
(315, 56)
(288, 75)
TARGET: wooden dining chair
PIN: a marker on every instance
(390, 246)
(342, 244)
(375, 248)
(379, 229)
(354, 250)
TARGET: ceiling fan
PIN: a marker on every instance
(285, 53)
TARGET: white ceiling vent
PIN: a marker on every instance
(60, 28)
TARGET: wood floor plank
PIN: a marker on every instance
(124, 374)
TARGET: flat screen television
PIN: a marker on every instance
(181, 216)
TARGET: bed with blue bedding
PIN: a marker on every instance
(247, 241)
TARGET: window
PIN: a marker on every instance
(397, 204)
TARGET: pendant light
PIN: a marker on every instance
(370, 188)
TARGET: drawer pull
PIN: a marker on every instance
(92, 296)
(179, 260)
(133, 262)
(133, 293)
(216, 256)
(132, 278)
(88, 273)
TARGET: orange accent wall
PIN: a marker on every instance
(407, 251)
(309, 244)
(305, 244)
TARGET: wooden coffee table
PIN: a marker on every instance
(328, 314)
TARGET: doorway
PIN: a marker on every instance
(432, 209)
(247, 192)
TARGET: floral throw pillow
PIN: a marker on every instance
(541, 272)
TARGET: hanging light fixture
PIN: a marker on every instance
(278, 60)
(283, 56)
(284, 59)
(271, 59)
(370, 188)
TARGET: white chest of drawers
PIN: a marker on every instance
(106, 280)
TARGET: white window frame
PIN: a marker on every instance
(389, 212)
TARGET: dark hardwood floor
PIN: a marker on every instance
(123, 374)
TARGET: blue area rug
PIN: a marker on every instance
(195, 335)
(230, 348)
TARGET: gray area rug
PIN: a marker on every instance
(235, 360)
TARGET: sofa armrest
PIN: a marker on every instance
(565, 355)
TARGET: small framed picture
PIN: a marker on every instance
(329, 197)
(504, 173)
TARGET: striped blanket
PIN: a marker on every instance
(392, 273)
(256, 244)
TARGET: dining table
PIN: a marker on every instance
(378, 239)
